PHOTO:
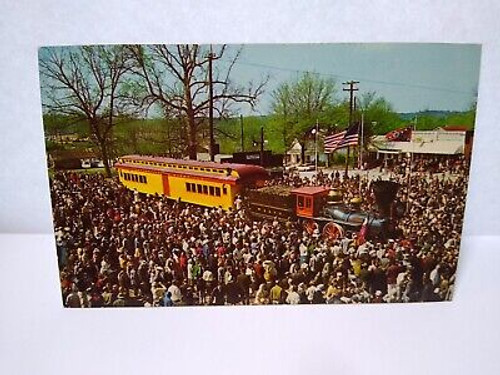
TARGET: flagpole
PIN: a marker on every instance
(410, 165)
(361, 140)
(347, 163)
(316, 148)
(360, 146)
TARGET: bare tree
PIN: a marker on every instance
(176, 77)
(83, 83)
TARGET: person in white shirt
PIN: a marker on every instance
(176, 293)
(293, 297)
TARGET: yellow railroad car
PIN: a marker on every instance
(204, 183)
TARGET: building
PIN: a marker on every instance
(449, 141)
(294, 154)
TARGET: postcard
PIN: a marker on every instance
(259, 174)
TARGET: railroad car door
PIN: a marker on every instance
(166, 186)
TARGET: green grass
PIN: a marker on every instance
(83, 171)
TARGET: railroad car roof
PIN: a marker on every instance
(244, 170)
(310, 190)
(154, 169)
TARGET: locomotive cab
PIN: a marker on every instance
(309, 200)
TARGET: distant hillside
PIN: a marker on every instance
(430, 113)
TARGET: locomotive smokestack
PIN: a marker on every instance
(385, 192)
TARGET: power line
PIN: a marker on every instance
(388, 83)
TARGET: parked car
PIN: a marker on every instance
(306, 168)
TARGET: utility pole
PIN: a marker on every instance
(351, 88)
(242, 139)
(211, 105)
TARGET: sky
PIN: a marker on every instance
(412, 77)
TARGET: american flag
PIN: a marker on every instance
(346, 138)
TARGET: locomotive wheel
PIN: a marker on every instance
(332, 231)
(310, 226)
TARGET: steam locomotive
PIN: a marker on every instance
(321, 209)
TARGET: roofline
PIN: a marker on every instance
(304, 190)
(194, 163)
(244, 171)
(170, 171)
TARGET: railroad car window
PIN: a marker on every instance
(224, 190)
(212, 190)
(217, 191)
(199, 189)
(308, 202)
(193, 188)
(205, 189)
(188, 186)
(300, 201)
(145, 180)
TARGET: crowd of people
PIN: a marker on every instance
(119, 248)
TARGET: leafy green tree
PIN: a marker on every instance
(298, 104)
(378, 113)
